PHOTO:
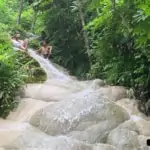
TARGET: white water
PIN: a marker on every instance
(48, 67)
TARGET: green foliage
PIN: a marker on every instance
(119, 34)
(31, 68)
(40, 23)
(26, 19)
(3, 27)
(18, 29)
(120, 45)
(10, 83)
(35, 44)
(64, 29)
(16, 69)
(10, 78)
(4, 13)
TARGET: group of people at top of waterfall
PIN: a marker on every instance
(45, 48)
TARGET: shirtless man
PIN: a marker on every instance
(45, 50)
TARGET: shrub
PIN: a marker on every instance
(11, 78)
(3, 27)
(35, 44)
(26, 18)
(34, 73)
(16, 69)
(18, 29)
(10, 82)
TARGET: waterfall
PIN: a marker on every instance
(50, 69)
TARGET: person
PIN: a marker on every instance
(18, 43)
(45, 49)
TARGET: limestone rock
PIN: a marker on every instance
(129, 125)
(89, 113)
(123, 139)
(130, 105)
(104, 147)
(36, 140)
(10, 130)
(143, 142)
(27, 107)
(143, 127)
(24, 137)
(46, 92)
(96, 133)
(114, 93)
(97, 83)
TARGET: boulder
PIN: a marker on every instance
(143, 127)
(131, 106)
(69, 85)
(41, 141)
(46, 92)
(104, 147)
(27, 107)
(143, 142)
(114, 93)
(22, 136)
(10, 130)
(96, 133)
(53, 143)
(129, 125)
(123, 139)
(97, 83)
(88, 113)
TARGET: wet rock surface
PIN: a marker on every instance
(89, 113)
(46, 92)
(123, 139)
(143, 142)
(26, 109)
(66, 114)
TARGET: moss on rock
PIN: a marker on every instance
(34, 73)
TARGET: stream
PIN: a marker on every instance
(66, 114)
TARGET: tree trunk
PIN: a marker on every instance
(34, 20)
(114, 4)
(83, 25)
(20, 11)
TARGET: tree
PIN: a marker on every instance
(35, 5)
(35, 8)
(114, 4)
(83, 24)
(20, 11)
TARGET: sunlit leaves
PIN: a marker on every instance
(2, 3)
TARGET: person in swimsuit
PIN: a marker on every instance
(19, 43)
(45, 50)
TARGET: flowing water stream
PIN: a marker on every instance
(66, 114)
(48, 67)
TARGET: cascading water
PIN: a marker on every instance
(48, 67)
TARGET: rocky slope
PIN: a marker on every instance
(72, 115)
